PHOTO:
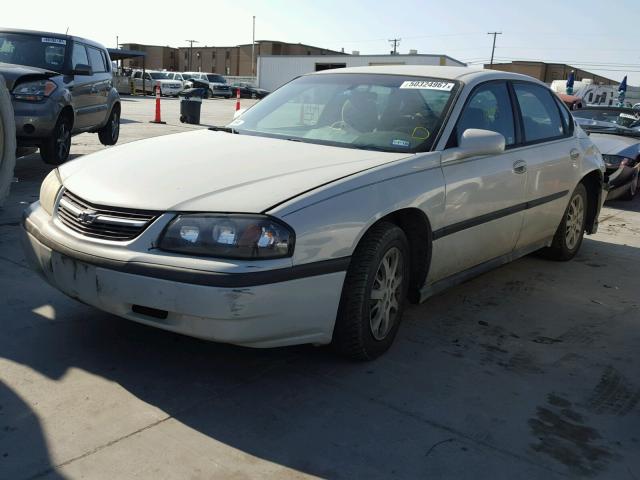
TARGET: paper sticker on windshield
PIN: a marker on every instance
(59, 41)
(428, 85)
(401, 143)
(626, 115)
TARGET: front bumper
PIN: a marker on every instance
(34, 120)
(276, 313)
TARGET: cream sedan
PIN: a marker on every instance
(315, 215)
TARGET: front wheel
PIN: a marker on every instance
(373, 294)
(568, 237)
(55, 150)
(110, 133)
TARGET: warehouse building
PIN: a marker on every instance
(236, 60)
(157, 57)
(274, 70)
(548, 72)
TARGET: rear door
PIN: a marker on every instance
(81, 91)
(484, 194)
(101, 85)
(552, 158)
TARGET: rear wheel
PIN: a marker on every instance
(568, 237)
(110, 133)
(55, 150)
(373, 295)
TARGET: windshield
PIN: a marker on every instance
(624, 119)
(216, 78)
(380, 112)
(159, 75)
(47, 53)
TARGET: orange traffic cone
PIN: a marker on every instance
(158, 118)
(237, 99)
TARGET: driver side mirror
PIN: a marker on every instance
(475, 142)
(82, 69)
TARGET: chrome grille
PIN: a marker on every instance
(107, 223)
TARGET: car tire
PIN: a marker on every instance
(254, 96)
(568, 237)
(55, 150)
(110, 133)
(632, 190)
(374, 294)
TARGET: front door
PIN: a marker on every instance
(484, 194)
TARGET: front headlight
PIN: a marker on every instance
(228, 236)
(49, 191)
(34, 91)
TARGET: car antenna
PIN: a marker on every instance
(67, 32)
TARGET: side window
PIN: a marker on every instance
(488, 108)
(137, 75)
(540, 115)
(96, 60)
(106, 60)
(79, 55)
(147, 76)
(567, 119)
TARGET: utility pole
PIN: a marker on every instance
(396, 42)
(253, 48)
(191, 42)
(493, 49)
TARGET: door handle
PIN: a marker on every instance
(519, 166)
(574, 154)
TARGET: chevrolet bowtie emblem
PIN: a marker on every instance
(87, 217)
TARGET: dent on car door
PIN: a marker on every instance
(483, 192)
(552, 155)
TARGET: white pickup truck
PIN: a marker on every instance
(168, 87)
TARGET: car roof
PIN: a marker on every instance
(464, 74)
(52, 34)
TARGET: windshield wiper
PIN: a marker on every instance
(223, 129)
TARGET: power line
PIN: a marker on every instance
(493, 49)
(395, 42)
(191, 42)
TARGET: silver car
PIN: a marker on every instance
(317, 213)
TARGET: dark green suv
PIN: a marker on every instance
(61, 85)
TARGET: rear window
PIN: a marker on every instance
(96, 60)
(540, 114)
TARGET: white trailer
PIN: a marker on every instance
(276, 70)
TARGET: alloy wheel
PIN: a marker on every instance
(115, 126)
(63, 141)
(575, 222)
(385, 293)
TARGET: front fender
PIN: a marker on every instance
(330, 221)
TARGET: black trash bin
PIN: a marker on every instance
(190, 105)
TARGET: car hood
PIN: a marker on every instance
(12, 72)
(211, 171)
(616, 144)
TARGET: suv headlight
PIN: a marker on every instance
(49, 191)
(34, 91)
(228, 236)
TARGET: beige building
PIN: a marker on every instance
(158, 57)
(548, 72)
(236, 60)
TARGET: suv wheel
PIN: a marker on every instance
(55, 150)
(373, 295)
(110, 133)
(568, 237)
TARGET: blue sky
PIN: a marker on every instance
(596, 35)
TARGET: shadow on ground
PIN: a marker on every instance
(527, 371)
